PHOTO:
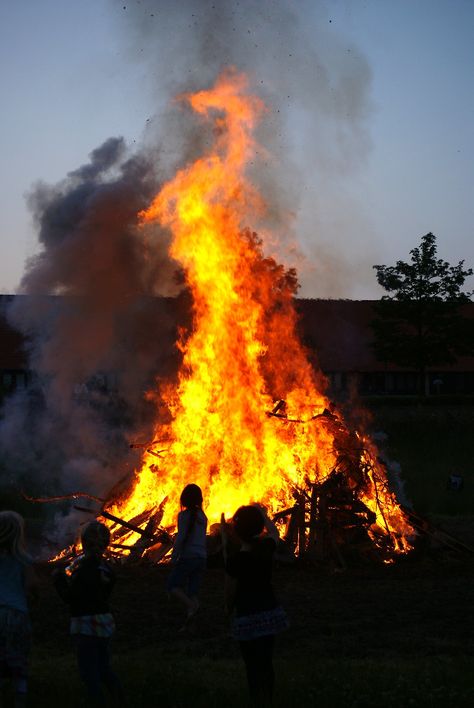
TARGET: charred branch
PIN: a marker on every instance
(64, 497)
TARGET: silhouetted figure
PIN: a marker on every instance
(17, 583)
(258, 616)
(86, 586)
(455, 482)
(189, 552)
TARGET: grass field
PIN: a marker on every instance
(396, 636)
(431, 442)
(216, 683)
(399, 635)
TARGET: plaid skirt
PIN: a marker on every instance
(15, 642)
(259, 624)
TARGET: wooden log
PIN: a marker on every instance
(426, 527)
(142, 445)
(301, 522)
(121, 522)
(141, 518)
(63, 497)
(122, 546)
(283, 514)
(291, 535)
(313, 518)
(157, 453)
(157, 552)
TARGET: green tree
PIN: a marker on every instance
(420, 322)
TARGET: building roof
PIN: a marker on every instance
(12, 343)
(338, 332)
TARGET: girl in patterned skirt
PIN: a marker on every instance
(258, 616)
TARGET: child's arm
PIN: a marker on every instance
(270, 526)
(179, 538)
(61, 583)
(107, 575)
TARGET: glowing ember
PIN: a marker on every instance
(243, 354)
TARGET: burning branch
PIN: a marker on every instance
(156, 453)
(117, 520)
(145, 445)
(64, 497)
(281, 405)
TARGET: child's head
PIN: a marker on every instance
(248, 523)
(12, 539)
(191, 497)
(95, 537)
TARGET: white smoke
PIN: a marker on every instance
(317, 86)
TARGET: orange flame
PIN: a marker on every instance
(243, 353)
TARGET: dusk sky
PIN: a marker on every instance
(376, 155)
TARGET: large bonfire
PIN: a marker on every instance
(248, 419)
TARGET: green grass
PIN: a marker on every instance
(430, 443)
(174, 681)
(395, 637)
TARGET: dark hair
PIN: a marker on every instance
(248, 522)
(95, 537)
(191, 497)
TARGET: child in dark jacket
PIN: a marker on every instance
(86, 586)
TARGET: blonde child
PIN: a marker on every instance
(17, 583)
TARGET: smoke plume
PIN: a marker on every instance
(316, 84)
(97, 336)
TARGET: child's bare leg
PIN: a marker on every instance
(20, 700)
(108, 676)
(20, 693)
(194, 604)
(183, 598)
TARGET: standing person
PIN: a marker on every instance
(86, 586)
(189, 551)
(249, 592)
(17, 582)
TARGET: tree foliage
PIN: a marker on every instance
(420, 322)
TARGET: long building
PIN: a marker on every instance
(338, 334)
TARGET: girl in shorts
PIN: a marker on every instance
(189, 551)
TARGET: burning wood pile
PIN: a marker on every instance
(328, 522)
(248, 420)
(152, 540)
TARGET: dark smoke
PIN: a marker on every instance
(97, 335)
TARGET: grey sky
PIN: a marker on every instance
(371, 156)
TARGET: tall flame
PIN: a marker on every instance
(243, 353)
